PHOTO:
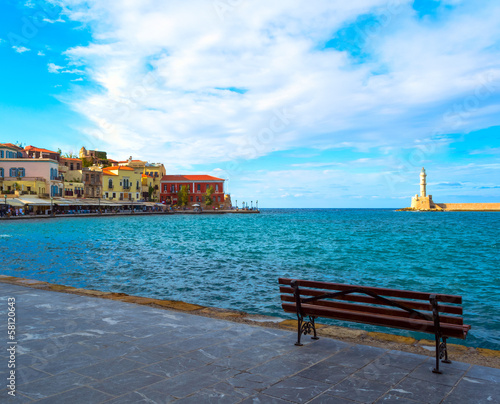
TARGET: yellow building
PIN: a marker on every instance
(122, 183)
(152, 173)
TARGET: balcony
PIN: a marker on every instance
(111, 187)
(58, 178)
(126, 187)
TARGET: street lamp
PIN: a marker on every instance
(251, 204)
(235, 200)
(99, 198)
(51, 208)
(257, 205)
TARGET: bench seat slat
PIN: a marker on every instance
(448, 330)
(372, 309)
(370, 300)
(407, 294)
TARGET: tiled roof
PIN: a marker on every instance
(70, 158)
(181, 178)
(10, 145)
(119, 168)
(38, 149)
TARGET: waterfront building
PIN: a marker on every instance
(151, 174)
(39, 153)
(92, 179)
(122, 183)
(23, 174)
(196, 185)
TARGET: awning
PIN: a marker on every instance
(12, 202)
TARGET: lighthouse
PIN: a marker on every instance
(423, 183)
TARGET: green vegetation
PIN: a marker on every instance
(208, 196)
(183, 196)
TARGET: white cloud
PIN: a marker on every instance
(48, 20)
(20, 49)
(41, 53)
(53, 68)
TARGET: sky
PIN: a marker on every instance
(297, 104)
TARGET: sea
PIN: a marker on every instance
(233, 261)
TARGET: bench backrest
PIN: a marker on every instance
(365, 307)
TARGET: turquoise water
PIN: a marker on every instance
(233, 261)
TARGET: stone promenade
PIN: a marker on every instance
(77, 349)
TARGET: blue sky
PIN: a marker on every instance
(297, 104)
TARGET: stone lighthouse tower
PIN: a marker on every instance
(424, 201)
(423, 183)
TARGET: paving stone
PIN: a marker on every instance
(302, 355)
(360, 390)
(482, 372)
(263, 399)
(53, 385)
(62, 365)
(184, 384)
(174, 366)
(403, 360)
(152, 356)
(116, 351)
(358, 356)
(83, 395)
(391, 399)
(233, 363)
(474, 391)
(327, 372)
(277, 369)
(18, 398)
(108, 368)
(297, 389)
(249, 384)
(28, 374)
(328, 399)
(209, 397)
(389, 375)
(449, 377)
(133, 380)
(414, 389)
(146, 395)
(255, 355)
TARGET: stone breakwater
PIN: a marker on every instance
(478, 356)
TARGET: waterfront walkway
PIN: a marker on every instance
(79, 349)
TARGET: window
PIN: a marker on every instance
(110, 183)
(71, 166)
(1, 154)
(191, 199)
(19, 155)
(198, 187)
(87, 177)
(172, 188)
(216, 187)
(1, 172)
(114, 194)
(21, 172)
(12, 172)
(164, 188)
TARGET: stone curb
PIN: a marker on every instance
(481, 356)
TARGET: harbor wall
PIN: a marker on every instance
(470, 206)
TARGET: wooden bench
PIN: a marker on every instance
(436, 314)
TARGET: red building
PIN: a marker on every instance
(197, 186)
